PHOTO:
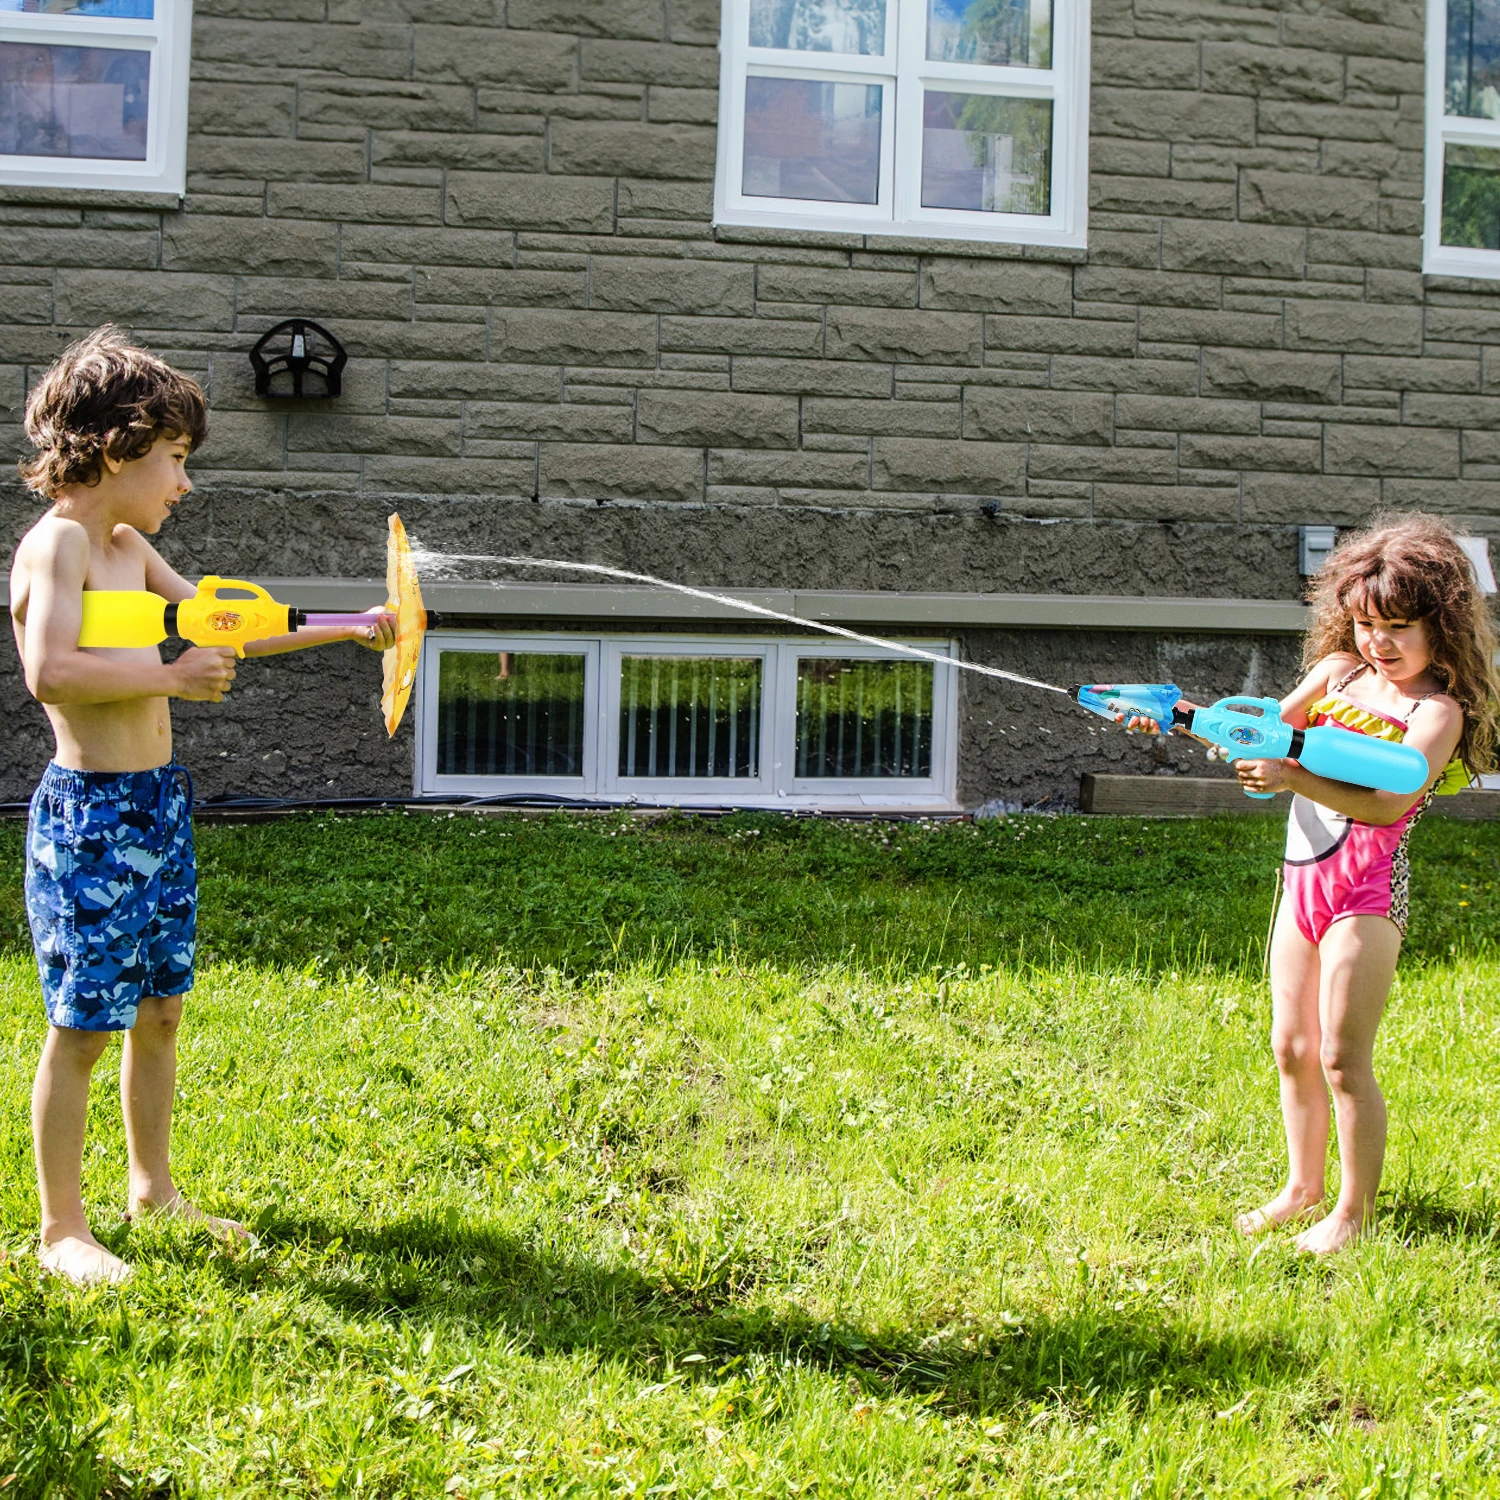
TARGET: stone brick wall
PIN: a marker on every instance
(504, 210)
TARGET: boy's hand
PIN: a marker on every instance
(380, 633)
(203, 673)
(1264, 775)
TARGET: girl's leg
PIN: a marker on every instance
(1359, 961)
(1295, 1043)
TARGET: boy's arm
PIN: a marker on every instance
(57, 564)
(380, 633)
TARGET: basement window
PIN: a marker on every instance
(1462, 229)
(956, 119)
(93, 94)
(686, 721)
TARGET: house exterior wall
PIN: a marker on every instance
(505, 214)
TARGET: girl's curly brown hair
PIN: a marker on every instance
(1410, 567)
(105, 397)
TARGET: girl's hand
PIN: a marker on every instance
(380, 633)
(1264, 775)
(1140, 724)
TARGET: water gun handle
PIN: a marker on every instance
(208, 620)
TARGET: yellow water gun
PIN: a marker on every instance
(212, 617)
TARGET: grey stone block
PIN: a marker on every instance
(582, 471)
(242, 109)
(1077, 335)
(1422, 409)
(1170, 414)
(1354, 327)
(1040, 416)
(546, 336)
(1130, 63)
(1297, 198)
(717, 419)
(274, 160)
(466, 54)
(914, 336)
(1271, 376)
(1294, 499)
(966, 468)
(796, 469)
(996, 286)
(505, 287)
(397, 105)
(810, 377)
(491, 477)
(793, 283)
(141, 299)
(478, 379)
(1343, 122)
(1273, 72)
(1166, 502)
(660, 64)
(1151, 288)
(685, 106)
(1365, 159)
(1129, 159)
(457, 151)
(1130, 465)
(334, 433)
(1285, 455)
(649, 284)
(803, 339)
(243, 440)
(508, 200)
(1386, 374)
(1356, 35)
(369, 50)
(1462, 325)
(644, 199)
(1158, 377)
(200, 242)
(1189, 325)
(1232, 249)
(1353, 248)
(1385, 451)
(572, 422)
(486, 248)
(621, 18)
(881, 418)
(1161, 195)
(683, 152)
(1173, 115)
(372, 204)
(277, 296)
(74, 245)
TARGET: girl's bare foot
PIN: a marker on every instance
(1329, 1235)
(231, 1231)
(1287, 1205)
(83, 1261)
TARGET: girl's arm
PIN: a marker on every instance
(1436, 727)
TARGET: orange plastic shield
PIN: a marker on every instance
(404, 598)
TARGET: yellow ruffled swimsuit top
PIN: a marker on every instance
(1338, 709)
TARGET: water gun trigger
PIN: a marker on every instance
(208, 620)
(1133, 700)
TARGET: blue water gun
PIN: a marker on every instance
(1253, 729)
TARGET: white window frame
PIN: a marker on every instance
(168, 38)
(776, 786)
(1445, 130)
(905, 71)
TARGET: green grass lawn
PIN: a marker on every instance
(610, 1157)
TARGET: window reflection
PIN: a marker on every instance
(848, 26)
(690, 716)
(1472, 83)
(513, 713)
(1471, 198)
(808, 139)
(863, 718)
(982, 151)
(1002, 33)
(73, 101)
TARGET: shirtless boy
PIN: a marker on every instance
(111, 886)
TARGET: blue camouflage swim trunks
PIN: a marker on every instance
(111, 891)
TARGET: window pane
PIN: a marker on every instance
(134, 10)
(510, 713)
(856, 26)
(73, 101)
(1471, 197)
(982, 151)
(690, 716)
(863, 718)
(808, 139)
(1004, 33)
(1473, 72)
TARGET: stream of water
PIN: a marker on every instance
(426, 559)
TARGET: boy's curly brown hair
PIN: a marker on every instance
(1410, 567)
(105, 397)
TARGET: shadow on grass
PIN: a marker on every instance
(1414, 1216)
(422, 1270)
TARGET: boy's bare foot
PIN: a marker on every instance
(231, 1231)
(83, 1261)
(1284, 1207)
(1329, 1235)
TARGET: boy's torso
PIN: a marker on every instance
(131, 735)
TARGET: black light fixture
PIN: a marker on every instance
(298, 348)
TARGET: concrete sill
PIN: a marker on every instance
(1204, 796)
